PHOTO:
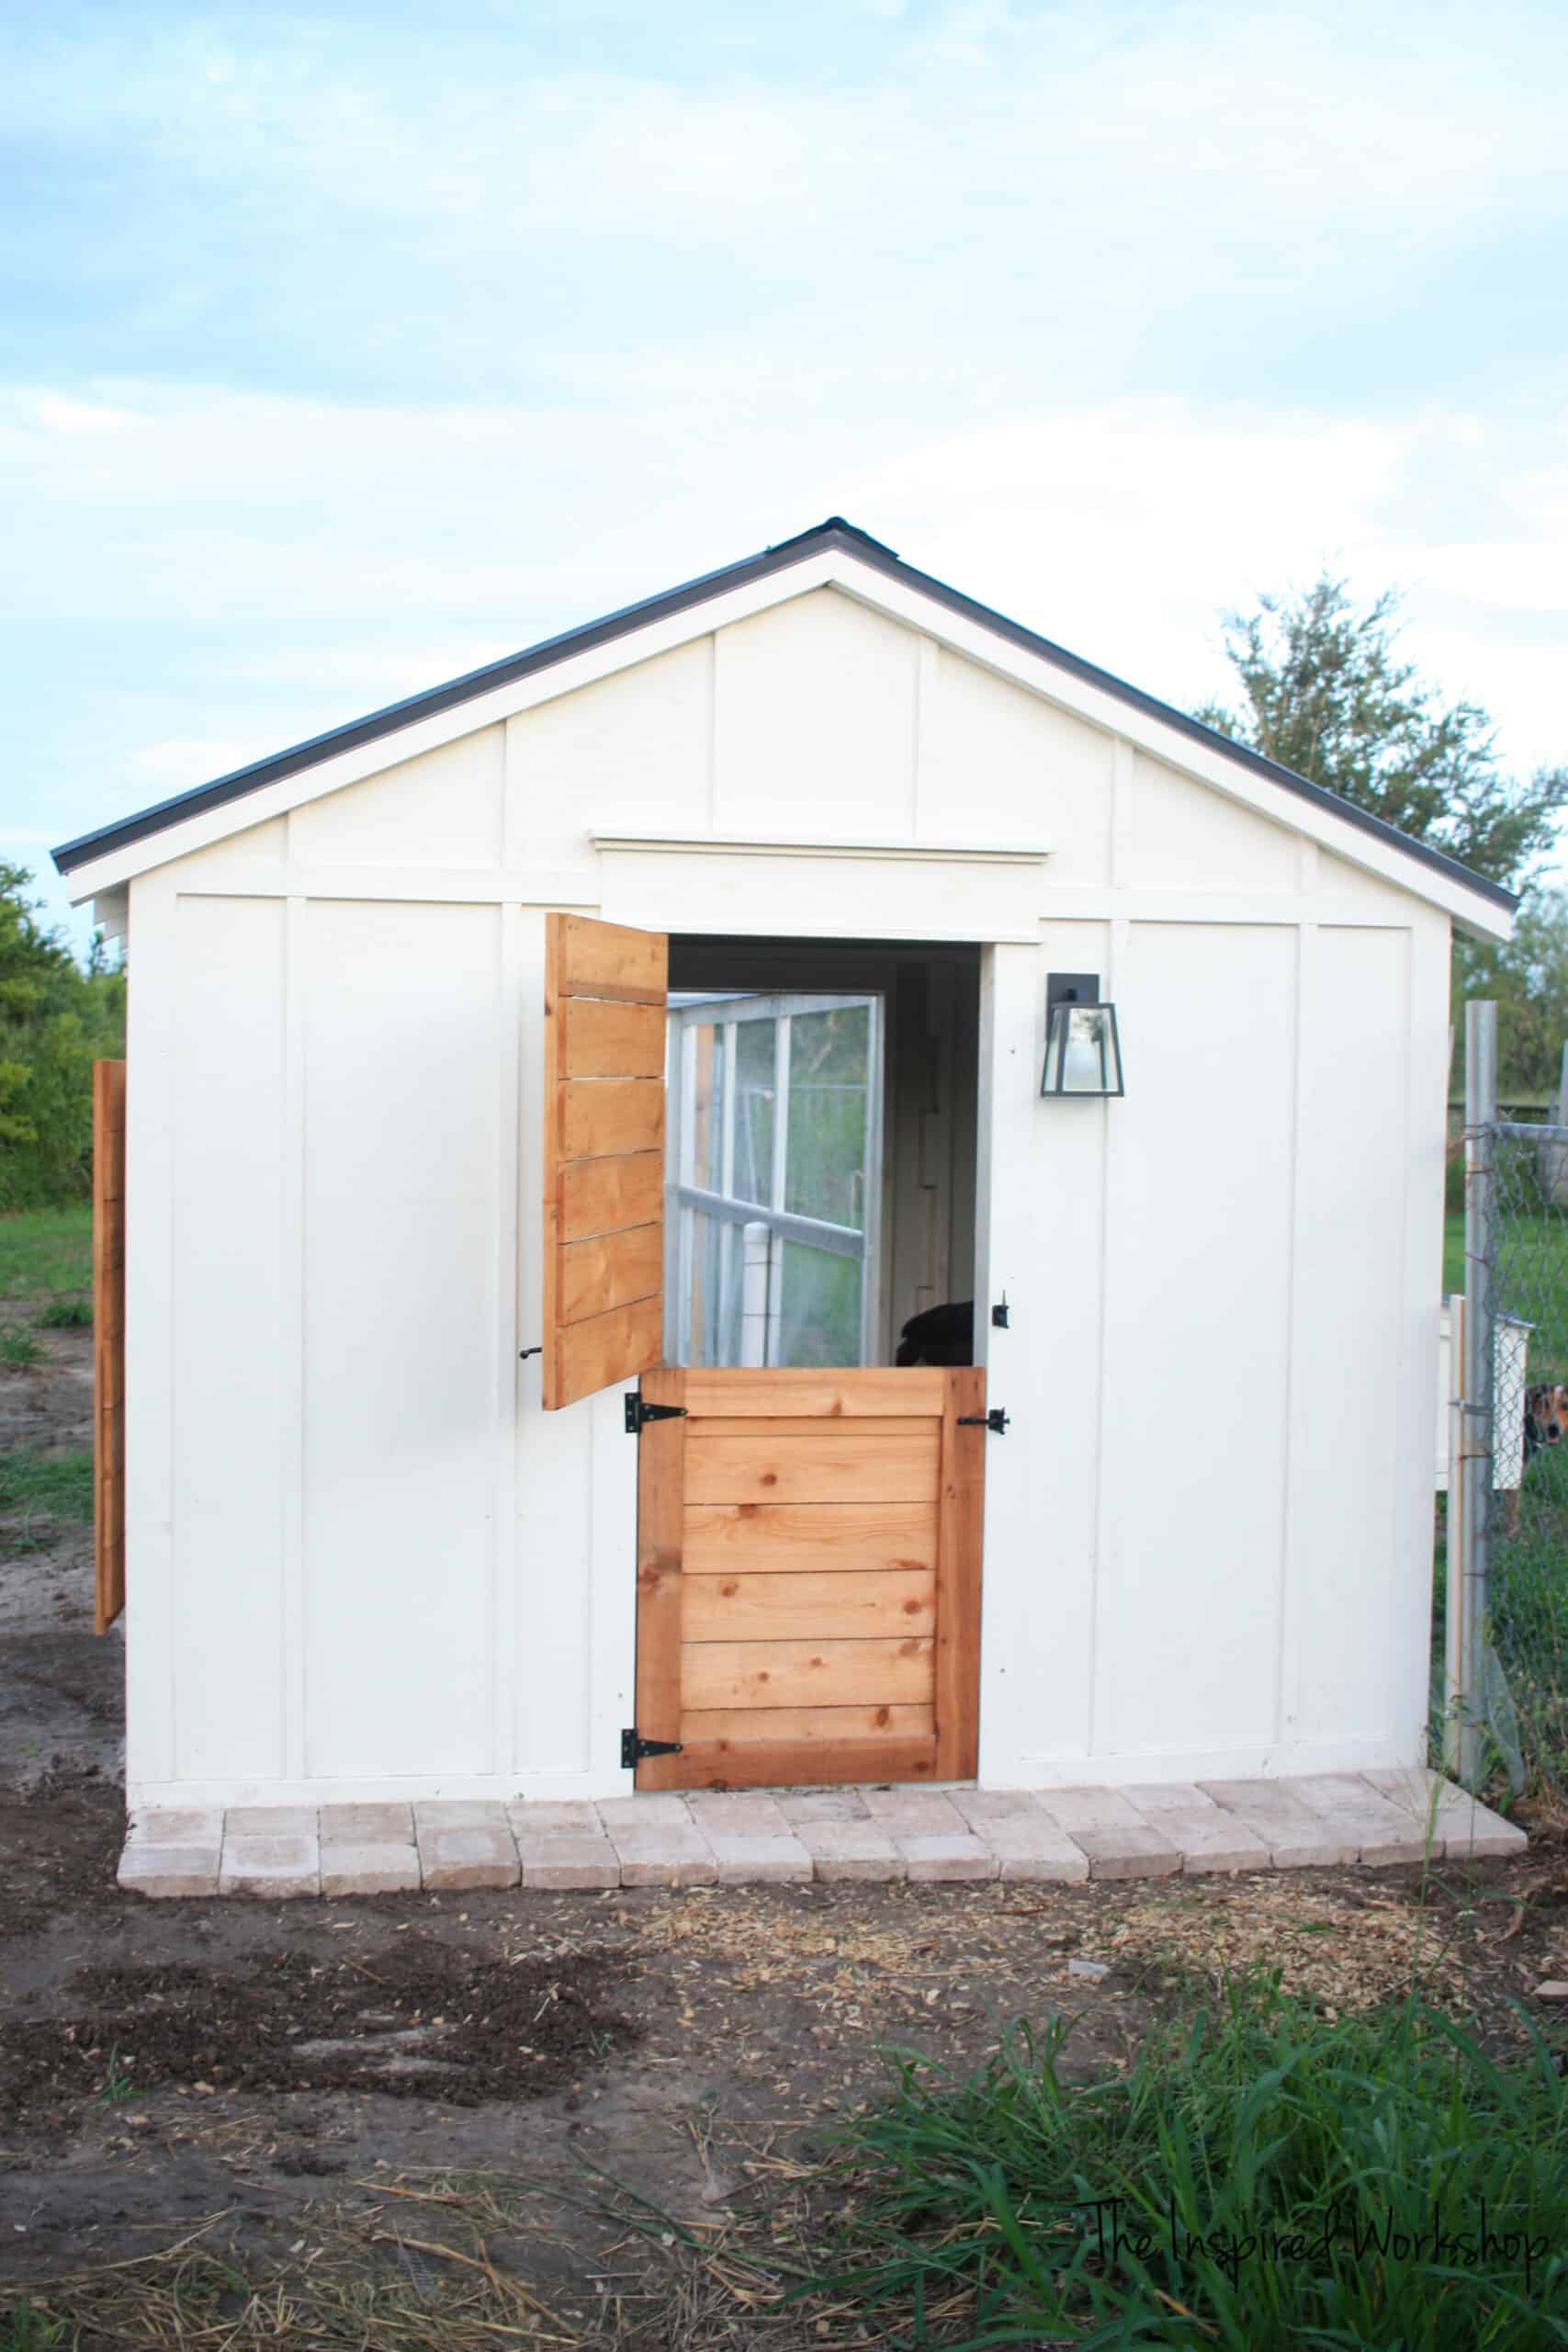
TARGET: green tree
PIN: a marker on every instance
(55, 1021)
(1527, 979)
(1323, 690)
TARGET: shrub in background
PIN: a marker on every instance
(56, 1019)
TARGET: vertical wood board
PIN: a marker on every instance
(109, 1342)
(603, 1136)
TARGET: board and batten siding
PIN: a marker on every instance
(363, 1561)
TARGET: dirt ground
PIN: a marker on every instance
(420, 2101)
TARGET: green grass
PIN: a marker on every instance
(18, 1346)
(46, 1252)
(27, 2329)
(117, 2086)
(40, 1494)
(67, 1314)
(1263, 2177)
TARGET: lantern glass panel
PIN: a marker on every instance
(1083, 1055)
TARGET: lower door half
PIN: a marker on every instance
(808, 1576)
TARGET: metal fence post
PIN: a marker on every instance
(1479, 1377)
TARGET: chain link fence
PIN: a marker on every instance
(1526, 1708)
(1503, 1582)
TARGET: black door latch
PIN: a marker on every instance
(996, 1420)
(634, 1747)
(639, 1414)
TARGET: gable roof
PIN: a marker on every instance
(834, 534)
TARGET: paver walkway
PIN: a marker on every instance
(865, 1833)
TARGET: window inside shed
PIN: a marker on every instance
(820, 1151)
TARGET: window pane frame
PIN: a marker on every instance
(685, 1197)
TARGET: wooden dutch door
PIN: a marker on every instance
(809, 1542)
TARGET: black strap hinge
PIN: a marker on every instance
(996, 1420)
(634, 1747)
(639, 1414)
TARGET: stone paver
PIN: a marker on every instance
(842, 1850)
(164, 1872)
(1296, 1837)
(941, 1855)
(918, 1813)
(1076, 1809)
(798, 1805)
(459, 1813)
(1211, 1839)
(740, 1837)
(751, 1839)
(1129, 1853)
(1151, 1797)
(562, 1845)
(569, 1865)
(271, 1821)
(176, 1825)
(368, 1849)
(554, 1817)
(270, 1865)
(1465, 1827)
(1112, 1835)
(357, 1824)
(467, 1854)
(378, 1866)
(1026, 1841)
(1383, 1832)
(660, 1847)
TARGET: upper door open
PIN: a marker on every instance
(605, 989)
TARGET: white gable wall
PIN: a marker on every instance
(362, 1560)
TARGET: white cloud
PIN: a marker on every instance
(347, 555)
(1125, 530)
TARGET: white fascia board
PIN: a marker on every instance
(836, 568)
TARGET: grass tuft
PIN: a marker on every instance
(40, 1494)
(27, 2329)
(19, 1347)
(1262, 2178)
(67, 1314)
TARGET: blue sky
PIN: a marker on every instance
(341, 349)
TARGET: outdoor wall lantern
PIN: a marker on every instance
(1083, 1053)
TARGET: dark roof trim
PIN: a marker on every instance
(834, 533)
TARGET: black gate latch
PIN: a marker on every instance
(995, 1420)
(634, 1747)
(638, 1414)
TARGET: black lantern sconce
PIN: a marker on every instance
(1083, 1052)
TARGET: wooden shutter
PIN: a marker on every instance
(108, 1341)
(605, 1013)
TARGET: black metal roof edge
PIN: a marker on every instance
(835, 531)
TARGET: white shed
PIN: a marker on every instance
(661, 1014)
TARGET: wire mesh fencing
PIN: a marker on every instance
(1522, 1241)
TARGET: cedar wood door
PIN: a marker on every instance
(109, 1342)
(808, 1576)
(809, 1542)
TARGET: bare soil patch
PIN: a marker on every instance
(424, 2022)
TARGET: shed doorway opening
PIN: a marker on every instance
(819, 1153)
(809, 1530)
